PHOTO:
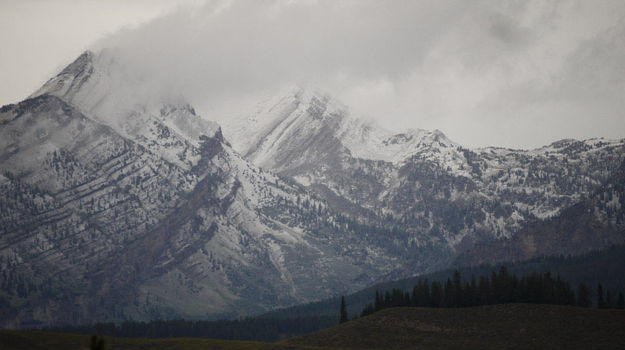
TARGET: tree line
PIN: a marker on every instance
(500, 288)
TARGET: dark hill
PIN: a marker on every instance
(512, 326)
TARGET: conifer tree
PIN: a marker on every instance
(97, 343)
(484, 291)
(600, 300)
(378, 301)
(344, 317)
(448, 296)
(583, 295)
(368, 310)
(456, 294)
(436, 294)
(473, 299)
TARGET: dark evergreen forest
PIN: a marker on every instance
(500, 288)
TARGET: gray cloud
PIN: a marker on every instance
(40, 37)
(247, 45)
(509, 32)
(509, 73)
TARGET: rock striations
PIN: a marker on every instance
(116, 203)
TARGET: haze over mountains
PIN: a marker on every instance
(118, 203)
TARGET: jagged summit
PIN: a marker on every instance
(104, 90)
(293, 120)
(311, 137)
(80, 64)
(68, 82)
(261, 124)
(367, 140)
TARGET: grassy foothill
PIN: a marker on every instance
(506, 326)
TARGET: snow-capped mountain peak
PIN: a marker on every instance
(105, 91)
(113, 186)
(297, 116)
(368, 140)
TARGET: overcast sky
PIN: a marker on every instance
(506, 73)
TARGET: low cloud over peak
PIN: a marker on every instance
(517, 74)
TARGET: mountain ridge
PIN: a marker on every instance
(578, 229)
(118, 203)
(318, 146)
(144, 231)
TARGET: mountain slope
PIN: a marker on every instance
(116, 210)
(107, 92)
(588, 225)
(436, 191)
(120, 202)
(74, 193)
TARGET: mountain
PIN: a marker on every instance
(119, 202)
(118, 206)
(588, 225)
(435, 190)
(104, 90)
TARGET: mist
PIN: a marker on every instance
(507, 73)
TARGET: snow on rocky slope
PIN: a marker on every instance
(118, 203)
(116, 208)
(274, 126)
(101, 88)
(428, 183)
(588, 225)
